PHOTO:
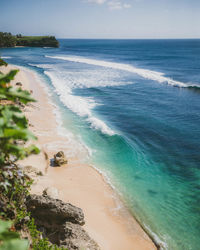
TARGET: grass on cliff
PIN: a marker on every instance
(9, 40)
(33, 37)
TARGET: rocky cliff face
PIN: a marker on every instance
(60, 222)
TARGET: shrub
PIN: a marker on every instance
(14, 184)
(3, 63)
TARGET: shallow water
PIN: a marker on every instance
(135, 105)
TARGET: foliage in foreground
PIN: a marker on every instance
(14, 184)
(10, 239)
(13, 123)
(3, 63)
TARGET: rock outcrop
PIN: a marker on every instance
(32, 171)
(60, 222)
(53, 211)
(52, 192)
(73, 236)
(60, 159)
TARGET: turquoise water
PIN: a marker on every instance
(135, 104)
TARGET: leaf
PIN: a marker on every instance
(15, 244)
(23, 95)
(9, 235)
(1, 121)
(15, 150)
(4, 225)
(2, 96)
(1, 132)
(17, 133)
(20, 119)
(6, 113)
(32, 149)
(8, 77)
(5, 184)
(12, 114)
(3, 63)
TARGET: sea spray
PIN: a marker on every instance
(79, 105)
(71, 143)
(145, 73)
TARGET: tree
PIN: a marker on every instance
(7, 39)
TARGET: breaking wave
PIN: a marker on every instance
(145, 73)
(79, 105)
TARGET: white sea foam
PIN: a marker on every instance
(145, 73)
(79, 105)
(163, 245)
(87, 78)
(42, 66)
(73, 146)
(82, 106)
(100, 125)
(6, 57)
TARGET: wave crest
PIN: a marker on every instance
(145, 73)
(79, 105)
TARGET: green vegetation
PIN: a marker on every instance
(8, 40)
(3, 63)
(10, 239)
(14, 184)
(37, 41)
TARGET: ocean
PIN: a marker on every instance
(135, 105)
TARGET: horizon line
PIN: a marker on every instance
(188, 38)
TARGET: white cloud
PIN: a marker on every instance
(112, 4)
(115, 5)
(97, 1)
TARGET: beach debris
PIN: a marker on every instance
(18, 84)
(60, 222)
(60, 159)
(51, 192)
(47, 160)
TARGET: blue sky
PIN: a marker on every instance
(102, 18)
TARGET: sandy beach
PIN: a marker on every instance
(107, 221)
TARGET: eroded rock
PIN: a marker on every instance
(72, 236)
(51, 192)
(32, 171)
(60, 222)
(53, 211)
(60, 159)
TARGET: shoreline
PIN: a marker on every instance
(108, 222)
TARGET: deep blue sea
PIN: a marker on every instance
(136, 105)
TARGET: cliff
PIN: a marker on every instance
(37, 41)
(9, 40)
